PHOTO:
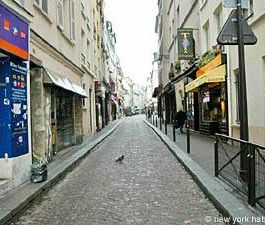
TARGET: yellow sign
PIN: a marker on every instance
(213, 76)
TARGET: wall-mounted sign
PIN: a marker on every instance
(13, 108)
(185, 44)
(13, 33)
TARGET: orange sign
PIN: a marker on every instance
(209, 66)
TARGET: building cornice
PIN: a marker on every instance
(53, 52)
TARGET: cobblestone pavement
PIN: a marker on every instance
(149, 187)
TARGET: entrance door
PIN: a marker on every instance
(65, 122)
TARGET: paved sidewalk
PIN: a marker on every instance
(201, 146)
(14, 202)
(218, 192)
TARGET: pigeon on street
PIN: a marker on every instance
(120, 158)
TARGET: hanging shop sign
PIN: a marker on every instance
(186, 47)
(13, 108)
(13, 34)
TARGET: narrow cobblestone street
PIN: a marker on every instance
(149, 187)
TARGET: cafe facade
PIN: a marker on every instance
(206, 97)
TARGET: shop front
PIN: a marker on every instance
(56, 112)
(207, 98)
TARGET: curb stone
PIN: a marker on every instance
(226, 203)
(12, 206)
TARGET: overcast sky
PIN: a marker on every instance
(134, 24)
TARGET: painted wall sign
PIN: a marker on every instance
(13, 108)
(13, 33)
(186, 46)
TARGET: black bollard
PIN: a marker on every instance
(160, 123)
(165, 126)
(156, 121)
(188, 138)
(174, 131)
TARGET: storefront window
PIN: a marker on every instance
(210, 105)
(223, 104)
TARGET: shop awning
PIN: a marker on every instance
(52, 78)
(213, 76)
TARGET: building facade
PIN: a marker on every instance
(207, 85)
(58, 65)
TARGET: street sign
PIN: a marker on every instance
(233, 4)
(229, 32)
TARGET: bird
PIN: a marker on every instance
(120, 159)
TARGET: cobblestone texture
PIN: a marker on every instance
(148, 188)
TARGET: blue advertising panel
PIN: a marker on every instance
(13, 108)
(13, 33)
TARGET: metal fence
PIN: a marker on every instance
(242, 165)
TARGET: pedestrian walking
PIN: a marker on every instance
(181, 117)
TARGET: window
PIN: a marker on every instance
(72, 20)
(236, 83)
(249, 11)
(83, 45)
(43, 4)
(178, 18)
(84, 99)
(207, 36)
(83, 9)
(88, 53)
(203, 2)
(20, 2)
(219, 22)
(60, 13)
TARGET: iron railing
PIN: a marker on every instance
(242, 165)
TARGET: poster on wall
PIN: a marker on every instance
(13, 34)
(13, 108)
